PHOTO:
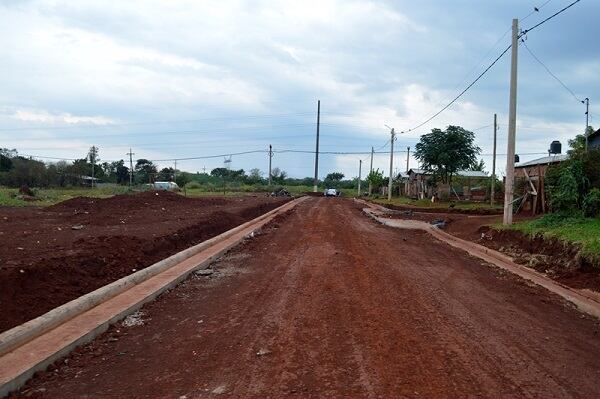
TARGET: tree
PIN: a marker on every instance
(375, 177)
(445, 152)
(166, 174)
(255, 176)
(121, 172)
(145, 170)
(478, 166)
(278, 175)
(333, 178)
(577, 144)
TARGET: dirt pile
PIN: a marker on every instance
(53, 255)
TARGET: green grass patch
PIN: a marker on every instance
(572, 229)
(425, 203)
(46, 197)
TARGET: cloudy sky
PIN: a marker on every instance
(184, 79)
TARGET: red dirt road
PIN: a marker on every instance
(328, 304)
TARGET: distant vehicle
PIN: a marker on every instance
(165, 185)
(331, 192)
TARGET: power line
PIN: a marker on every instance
(523, 33)
(551, 73)
(535, 9)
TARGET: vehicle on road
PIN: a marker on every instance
(331, 192)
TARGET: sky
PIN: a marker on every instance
(188, 79)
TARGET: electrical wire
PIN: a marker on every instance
(523, 33)
(552, 74)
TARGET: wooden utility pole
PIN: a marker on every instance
(512, 128)
(359, 174)
(371, 170)
(270, 161)
(131, 154)
(316, 181)
(493, 185)
(407, 158)
(587, 121)
(393, 136)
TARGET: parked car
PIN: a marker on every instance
(331, 192)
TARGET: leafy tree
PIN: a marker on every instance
(145, 170)
(445, 152)
(333, 179)
(5, 159)
(375, 177)
(166, 174)
(255, 176)
(278, 176)
(577, 144)
(478, 166)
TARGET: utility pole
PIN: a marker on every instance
(512, 128)
(175, 171)
(316, 181)
(587, 121)
(371, 170)
(359, 174)
(393, 136)
(270, 159)
(407, 158)
(493, 185)
(131, 154)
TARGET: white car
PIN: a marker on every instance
(331, 192)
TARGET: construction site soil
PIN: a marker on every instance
(52, 255)
(557, 259)
(327, 303)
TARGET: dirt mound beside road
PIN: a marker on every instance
(53, 255)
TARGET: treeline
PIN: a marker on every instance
(17, 170)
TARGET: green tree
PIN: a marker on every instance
(145, 170)
(577, 144)
(445, 152)
(254, 176)
(478, 166)
(333, 179)
(375, 177)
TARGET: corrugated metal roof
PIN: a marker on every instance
(543, 160)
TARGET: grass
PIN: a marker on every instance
(573, 229)
(47, 197)
(425, 203)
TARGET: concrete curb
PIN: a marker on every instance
(584, 302)
(170, 271)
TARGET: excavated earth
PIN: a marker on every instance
(558, 259)
(326, 303)
(52, 255)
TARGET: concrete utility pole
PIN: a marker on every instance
(407, 158)
(316, 181)
(512, 128)
(131, 154)
(393, 136)
(371, 170)
(493, 185)
(359, 174)
(587, 121)
(270, 159)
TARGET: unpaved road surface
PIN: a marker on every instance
(52, 255)
(328, 304)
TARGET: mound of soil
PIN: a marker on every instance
(560, 260)
(475, 211)
(53, 255)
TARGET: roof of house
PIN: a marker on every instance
(543, 160)
(594, 134)
(463, 173)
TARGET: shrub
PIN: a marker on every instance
(591, 203)
(193, 185)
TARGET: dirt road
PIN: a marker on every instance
(328, 304)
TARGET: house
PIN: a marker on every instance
(418, 186)
(594, 140)
(529, 182)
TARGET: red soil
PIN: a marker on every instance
(326, 303)
(52, 255)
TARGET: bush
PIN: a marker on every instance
(193, 185)
(591, 203)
